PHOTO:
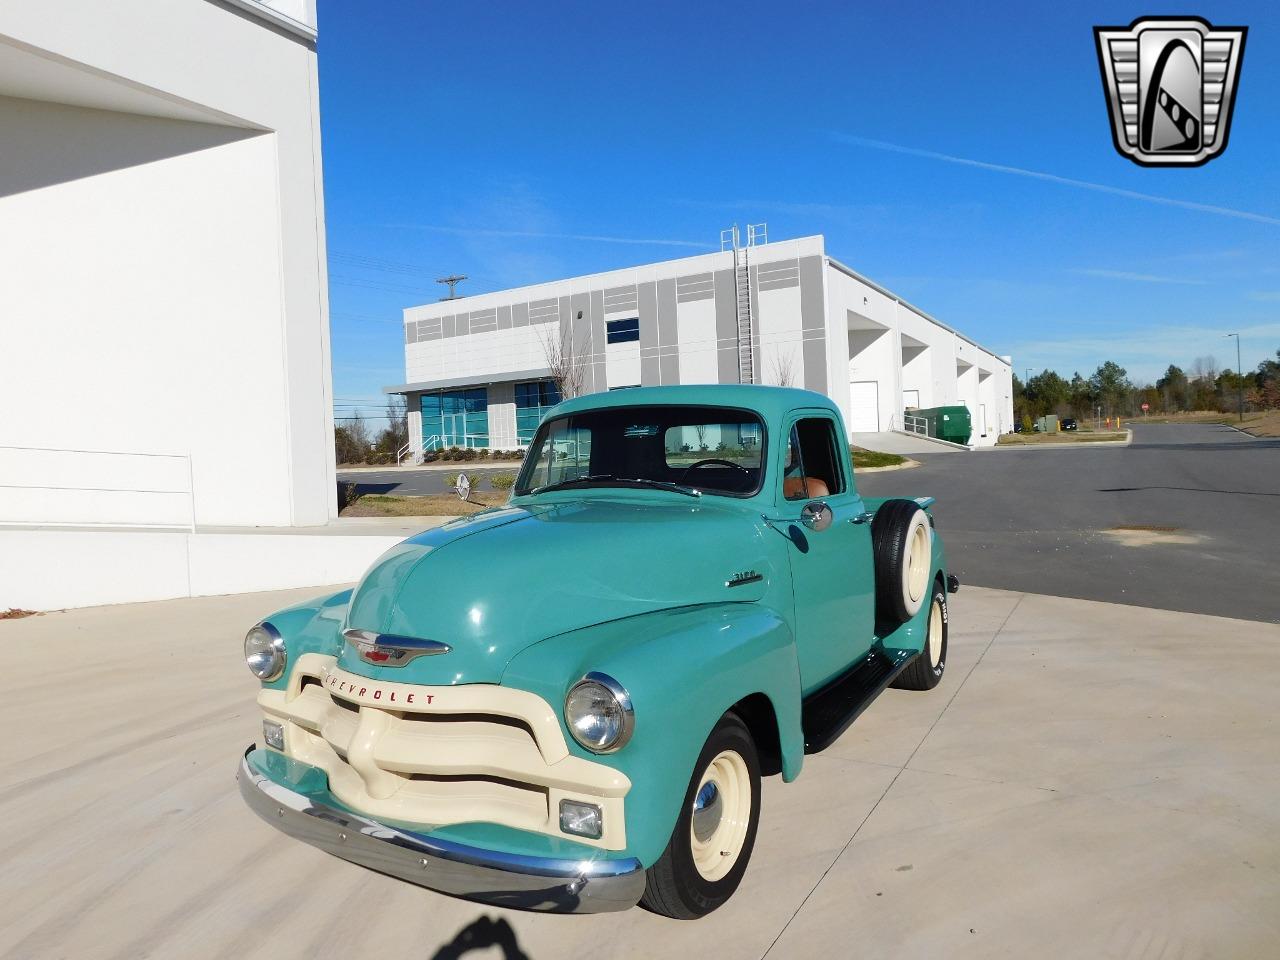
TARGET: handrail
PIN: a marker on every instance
(918, 425)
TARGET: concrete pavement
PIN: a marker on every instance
(1089, 780)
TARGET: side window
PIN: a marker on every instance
(812, 468)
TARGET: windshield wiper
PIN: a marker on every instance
(608, 477)
(662, 485)
(572, 482)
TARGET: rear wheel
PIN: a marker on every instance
(714, 836)
(926, 670)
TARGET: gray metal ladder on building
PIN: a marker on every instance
(756, 233)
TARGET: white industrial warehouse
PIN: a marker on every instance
(479, 368)
(163, 249)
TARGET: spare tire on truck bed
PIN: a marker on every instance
(902, 545)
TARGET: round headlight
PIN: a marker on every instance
(598, 713)
(264, 652)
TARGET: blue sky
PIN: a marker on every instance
(518, 143)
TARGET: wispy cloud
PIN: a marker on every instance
(539, 235)
(1139, 277)
(1054, 178)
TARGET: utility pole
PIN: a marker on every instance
(1239, 378)
(452, 281)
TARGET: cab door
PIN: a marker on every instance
(833, 581)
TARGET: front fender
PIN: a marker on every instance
(314, 626)
(683, 669)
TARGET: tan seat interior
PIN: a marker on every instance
(793, 488)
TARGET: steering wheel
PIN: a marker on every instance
(713, 462)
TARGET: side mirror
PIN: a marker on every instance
(816, 515)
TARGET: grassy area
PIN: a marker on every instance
(873, 458)
(1066, 436)
(435, 505)
(1265, 423)
(1189, 416)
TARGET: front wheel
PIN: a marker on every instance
(926, 670)
(716, 831)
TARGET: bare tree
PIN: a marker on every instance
(566, 369)
(396, 434)
(351, 439)
(784, 369)
(1205, 368)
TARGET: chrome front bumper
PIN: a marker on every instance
(487, 876)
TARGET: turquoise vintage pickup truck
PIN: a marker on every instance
(567, 703)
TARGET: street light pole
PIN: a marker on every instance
(1239, 378)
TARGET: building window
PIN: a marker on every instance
(533, 400)
(622, 331)
(455, 418)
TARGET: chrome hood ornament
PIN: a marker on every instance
(389, 650)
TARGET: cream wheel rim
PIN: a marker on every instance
(721, 815)
(935, 635)
(917, 563)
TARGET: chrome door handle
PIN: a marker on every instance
(862, 518)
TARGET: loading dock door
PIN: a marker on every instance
(864, 406)
(910, 398)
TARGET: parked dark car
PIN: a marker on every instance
(1067, 423)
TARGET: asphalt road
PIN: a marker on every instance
(1038, 520)
(420, 482)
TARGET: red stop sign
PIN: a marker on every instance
(1146, 407)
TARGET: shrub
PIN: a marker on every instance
(348, 493)
(502, 481)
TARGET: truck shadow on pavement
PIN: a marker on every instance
(1233, 493)
(481, 934)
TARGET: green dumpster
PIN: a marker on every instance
(948, 423)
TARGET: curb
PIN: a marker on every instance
(458, 466)
(1064, 446)
(907, 464)
(1251, 436)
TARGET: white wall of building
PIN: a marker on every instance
(914, 358)
(58, 569)
(817, 325)
(162, 235)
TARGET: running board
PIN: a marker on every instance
(827, 713)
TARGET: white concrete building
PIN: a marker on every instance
(477, 367)
(164, 337)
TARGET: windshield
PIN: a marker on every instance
(691, 450)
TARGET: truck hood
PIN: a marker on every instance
(493, 584)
